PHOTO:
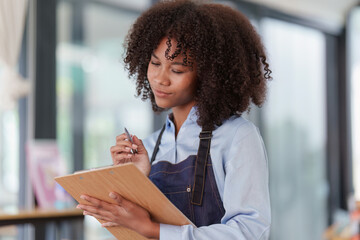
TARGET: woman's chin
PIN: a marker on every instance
(162, 104)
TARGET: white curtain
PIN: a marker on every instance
(12, 21)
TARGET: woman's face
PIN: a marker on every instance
(172, 83)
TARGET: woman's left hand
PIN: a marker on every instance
(123, 213)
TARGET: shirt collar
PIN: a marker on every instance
(191, 118)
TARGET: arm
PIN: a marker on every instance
(245, 196)
(123, 212)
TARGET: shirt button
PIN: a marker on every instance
(188, 189)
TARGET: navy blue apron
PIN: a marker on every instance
(190, 184)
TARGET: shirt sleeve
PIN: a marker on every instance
(246, 196)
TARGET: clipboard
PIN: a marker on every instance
(129, 182)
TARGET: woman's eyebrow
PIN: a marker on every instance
(172, 63)
(153, 54)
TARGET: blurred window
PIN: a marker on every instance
(133, 4)
(9, 158)
(93, 85)
(354, 75)
(294, 130)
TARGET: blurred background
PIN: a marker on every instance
(73, 92)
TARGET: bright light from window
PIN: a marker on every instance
(354, 73)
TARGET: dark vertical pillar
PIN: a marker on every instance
(78, 110)
(339, 166)
(45, 70)
(344, 122)
(333, 140)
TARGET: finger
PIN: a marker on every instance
(121, 137)
(98, 216)
(128, 144)
(122, 158)
(139, 143)
(94, 202)
(124, 143)
(104, 214)
(121, 201)
(89, 208)
(120, 148)
(122, 162)
(109, 224)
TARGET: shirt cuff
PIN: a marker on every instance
(170, 232)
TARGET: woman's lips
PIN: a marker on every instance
(159, 93)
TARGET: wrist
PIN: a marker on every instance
(153, 231)
(147, 172)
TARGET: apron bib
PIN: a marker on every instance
(190, 184)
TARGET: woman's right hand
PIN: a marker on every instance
(121, 153)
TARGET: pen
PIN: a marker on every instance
(130, 139)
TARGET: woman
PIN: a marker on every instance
(207, 64)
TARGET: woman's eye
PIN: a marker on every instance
(154, 63)
(176, 71)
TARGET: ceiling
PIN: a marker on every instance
(332, 12)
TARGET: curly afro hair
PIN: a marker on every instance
(231, 65)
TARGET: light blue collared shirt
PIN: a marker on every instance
(241, 171)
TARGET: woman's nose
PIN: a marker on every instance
(162, 78)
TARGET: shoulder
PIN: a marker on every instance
(240, 142)
(236, 127)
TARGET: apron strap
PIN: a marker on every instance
(200, 164)
(156, 148)
(200, 167)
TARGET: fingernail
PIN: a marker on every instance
(127, 148)
(112, 195)
(78, 206)
(82, 197)
(129, 155)
(134, 146)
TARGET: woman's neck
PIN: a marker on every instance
(180, 114)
